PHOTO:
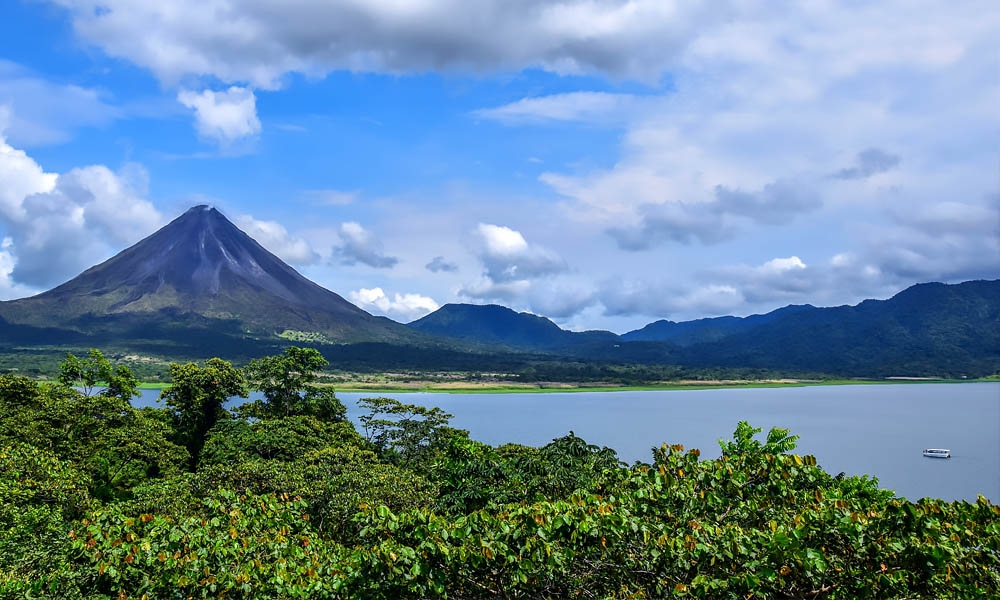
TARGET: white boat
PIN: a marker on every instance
(937, 453)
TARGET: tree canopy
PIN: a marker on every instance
(99, 500)
(287, 382)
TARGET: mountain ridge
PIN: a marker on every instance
(201, 287)
(497, 324)
(954, 328)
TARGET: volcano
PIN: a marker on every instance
(198, 274)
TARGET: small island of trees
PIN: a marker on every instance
(285, 498)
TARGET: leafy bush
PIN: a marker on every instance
(95, 502)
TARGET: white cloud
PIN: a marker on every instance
(401, 307)
(21, 176)
(561, 298)
(589, 107)
(505, 291)
(259, 42)
(778, 266)
(89, 213)
(223, 117)
(524, 275)
(359, 245)
(331, 197)
(777, 280)
(507, 256)
(659, 299)
(58, 225)
(9, 288)
(816, 129)
(273, 236)
(44, 112)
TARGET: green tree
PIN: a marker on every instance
(407, 434)
(96, 370)
(117, 446)
(196, 397)
(285, 439)
(287, 382)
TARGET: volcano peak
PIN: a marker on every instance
(202, 264)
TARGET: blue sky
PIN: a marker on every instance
(603, 163)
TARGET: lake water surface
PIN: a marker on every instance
(858, 429)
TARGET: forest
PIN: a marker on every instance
(284, 497)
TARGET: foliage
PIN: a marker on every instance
(406, 434)
(285, 439)
(88, 373)
(94, 504)
(288, 384)
(116, 446)
(196, 397)
(473, 475)
(39, 495)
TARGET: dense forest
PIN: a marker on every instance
(284, 497)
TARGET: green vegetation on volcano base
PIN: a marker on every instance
(283, 498)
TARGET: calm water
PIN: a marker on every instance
(874, 429)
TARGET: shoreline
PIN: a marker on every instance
(500, 387)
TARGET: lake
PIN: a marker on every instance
(858, 429)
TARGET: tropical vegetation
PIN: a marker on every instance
(286, 498)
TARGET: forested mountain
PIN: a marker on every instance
(199, 287)
(685, 333)
(499, 325)
(927, 329)
(198, 276)
(931, 329)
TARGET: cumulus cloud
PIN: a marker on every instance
(659, 299)
(485, 289)
(21, 177)
(43, 112)
(556, 298)
(60, 224)
(525, 275)
(718, 219)
(223, 117)
(273, 236)
(259, 42)
(590, 107)
(507, 256)
(561, 298)
(745, 289)
(10, 289)
(90, 212)
(359, 245)
(869, 162)
(401, 307)
(438, 264)
(775, 281)
(762, 106)
(946, 241)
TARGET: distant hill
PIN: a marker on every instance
(200, 287)
(499, 325)
(927, 329)
(199, 279)
(686, 333)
